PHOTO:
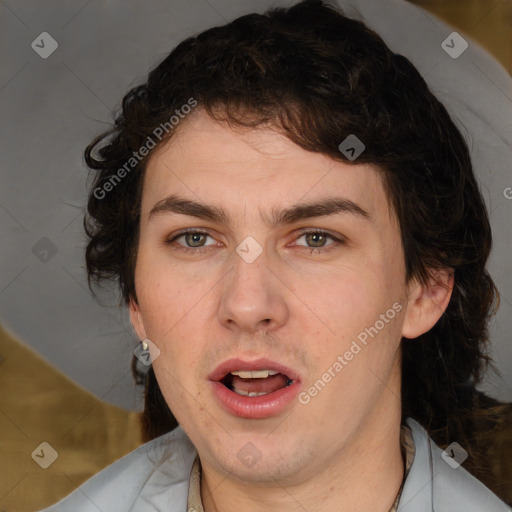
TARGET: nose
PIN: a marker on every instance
(253, 298)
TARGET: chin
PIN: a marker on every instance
(263, 461)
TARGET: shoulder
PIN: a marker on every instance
(156, 472)
(433, 484)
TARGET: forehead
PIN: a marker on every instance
(253, 168)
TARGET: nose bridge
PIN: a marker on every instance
(249, 276)
(251, 297)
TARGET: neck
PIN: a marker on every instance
(365, 475)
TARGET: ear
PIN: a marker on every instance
(136, 319)
(427, 302)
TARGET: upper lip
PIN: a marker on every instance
(235, 364)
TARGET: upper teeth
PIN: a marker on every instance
(254, 374)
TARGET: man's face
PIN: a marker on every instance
(257, 284)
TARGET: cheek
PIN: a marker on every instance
(176, 368)
(166, 296)
(347, 306)
(171, 329)
(341, 300)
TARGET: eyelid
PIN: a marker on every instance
(303, 231)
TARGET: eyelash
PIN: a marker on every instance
(305, 231)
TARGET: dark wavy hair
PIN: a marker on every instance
(318, 76)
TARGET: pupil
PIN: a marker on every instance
(317, 239)
(194, 239)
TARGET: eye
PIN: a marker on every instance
(317, 240)
(190, 240)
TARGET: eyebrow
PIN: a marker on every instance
(298, 212)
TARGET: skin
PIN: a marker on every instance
(302, 308)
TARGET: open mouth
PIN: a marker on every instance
(254, 389)
(254, 383)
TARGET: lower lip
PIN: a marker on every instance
(255, 407)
